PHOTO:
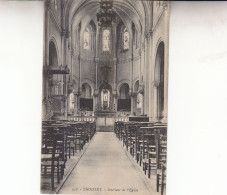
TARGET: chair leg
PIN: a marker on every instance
(58, 172)
(62, 171)
(157, 187)
(149, 170)
(140, 159)
(45, 170)
(162, 189)
(52, 176)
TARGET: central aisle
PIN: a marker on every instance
(104, 169)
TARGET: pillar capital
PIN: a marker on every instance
(114, 93)
(115, 60)
(96, 93)
(72, 52)
(147, 34)
(141, 89)
(165, 4)
(96, 60)
(156, 83)
(47, 4)
(65, 33)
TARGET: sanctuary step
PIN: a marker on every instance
(104, 124)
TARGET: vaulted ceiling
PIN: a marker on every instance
(128, 10)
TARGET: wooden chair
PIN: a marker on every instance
(139, 139)
(161, 179)
(71, 137)
(121, 130)
(51, 155)
(148, 150)
(161, 132)
(131, 137)
(80, 135)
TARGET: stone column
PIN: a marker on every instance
(46, 90)
(72, 55)
(79, 61)
(115, 83)
(64, 36)
(114, 92)
(156, 101)
(142, 63)
(132, 103)
(166, 61)
(64, 39)
(131, 83)
(150, 77)
(147, 36)
(75, 103)
(96, 66)
(97, 57)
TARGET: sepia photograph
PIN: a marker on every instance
(93, 89)
(105, 92)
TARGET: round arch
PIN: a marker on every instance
(159, 80)
(122, 82)
(86, 91)
(90, 83)
(53, 50)
(124, 91)
(136, 86)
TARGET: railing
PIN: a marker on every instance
(121, 119)
(81, 118)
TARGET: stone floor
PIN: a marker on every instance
(107, 168)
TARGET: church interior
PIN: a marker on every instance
(105, 97)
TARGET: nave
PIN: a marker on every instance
(105, 168)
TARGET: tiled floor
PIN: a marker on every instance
(105, 169)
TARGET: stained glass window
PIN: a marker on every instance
(126, 39)
(86, 39)
(106, 40)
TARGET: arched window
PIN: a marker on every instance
(86, 39)
(159, 78)
(106, 40)
(71, 101)
(124, 91)
(124, 100)
(86, 100)
(86, 91)
(125, 39)
(135, 34)
(55, 4)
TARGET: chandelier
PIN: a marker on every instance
(106, 14)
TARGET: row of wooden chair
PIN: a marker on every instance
(147, 143)
(61, 140)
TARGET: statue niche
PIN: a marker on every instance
(105, 97)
